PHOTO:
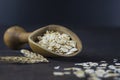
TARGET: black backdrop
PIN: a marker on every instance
(74, 12)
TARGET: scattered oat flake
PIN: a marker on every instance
(56, 67)
(67, 69)
(93, 64)
(89, 71)
(58, 73)
(111, 67)
(79, 73)
(86, 67)
(117, 64)
(100, 73)
(67, 73)
(86, 64)
(79, 64)
(111, 75)
(103, 64)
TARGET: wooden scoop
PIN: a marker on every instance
(16, 36)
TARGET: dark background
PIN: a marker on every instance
(96, 22)
(74, 12)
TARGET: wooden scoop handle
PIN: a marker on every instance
(15, 37)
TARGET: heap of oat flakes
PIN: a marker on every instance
(60, 43)
(91, 70)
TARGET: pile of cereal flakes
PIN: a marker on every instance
(91, 70)
(60, 43)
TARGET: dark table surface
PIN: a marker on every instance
(98, 44)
